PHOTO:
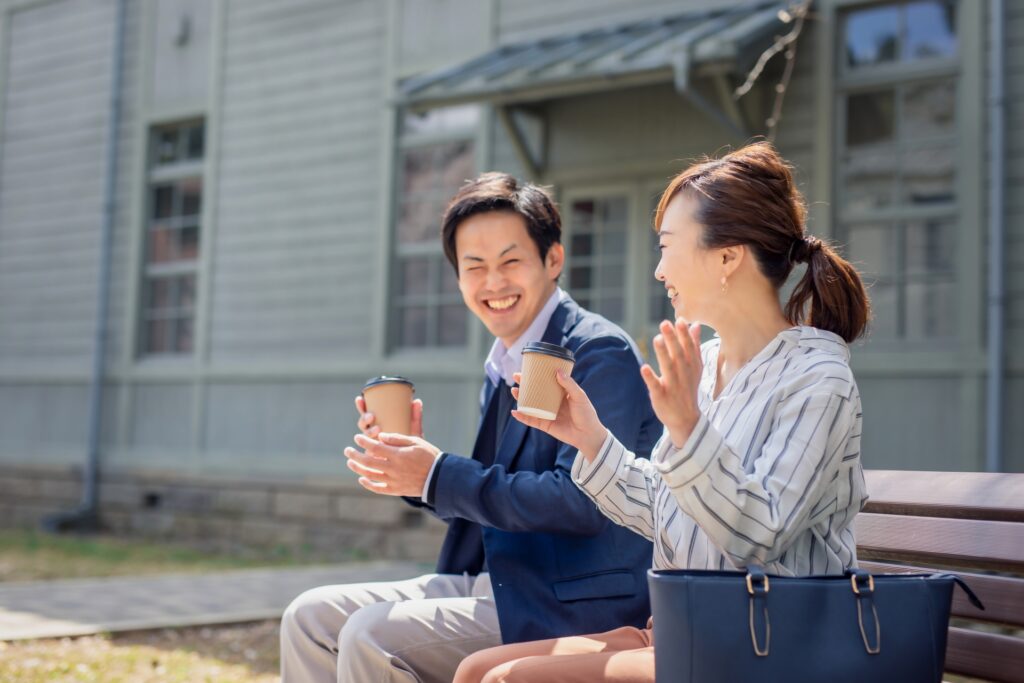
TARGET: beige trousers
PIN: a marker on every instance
(625, 655)
(409, 631)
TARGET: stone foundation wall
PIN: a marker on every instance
(339, 519)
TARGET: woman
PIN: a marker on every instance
(760, 458)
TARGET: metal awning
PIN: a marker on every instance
(670, 49)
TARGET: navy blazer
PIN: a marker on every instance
(557, 565)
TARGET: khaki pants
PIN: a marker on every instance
(625, 655)
(409, 631)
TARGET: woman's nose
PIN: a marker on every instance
(658, 275)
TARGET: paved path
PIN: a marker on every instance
(50, 609)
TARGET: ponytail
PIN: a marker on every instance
(839, 302)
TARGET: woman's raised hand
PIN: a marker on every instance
(576, 424)
(674, 391)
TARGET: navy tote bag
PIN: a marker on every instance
(730, 627)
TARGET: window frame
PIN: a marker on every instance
(397, 252)
(966, 350)
(161, 174)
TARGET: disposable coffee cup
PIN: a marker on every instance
(390, 400)
(540, 394)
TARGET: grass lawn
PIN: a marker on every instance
(31, 555)
(242, 653)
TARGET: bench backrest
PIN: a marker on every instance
(972, 524)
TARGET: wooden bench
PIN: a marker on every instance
(968, 523)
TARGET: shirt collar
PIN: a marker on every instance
(501, 363)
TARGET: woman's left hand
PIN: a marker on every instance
(674, 391)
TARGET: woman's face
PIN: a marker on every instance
(691, 274)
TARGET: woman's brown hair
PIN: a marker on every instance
(748, 197)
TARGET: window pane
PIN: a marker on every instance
(870, 118)
(415, 277)
(581, 245)
(613, 212)
(163, 245)
(163, 201)
(611, 276)
(579, 277)
(660, 306)
(188, 247)
(928, 109)
(170, 244)
(611, 307)
(930, 246)
(194, 142)
(439, 121)
(930, 310)
(166, 146)
(449, 281)
(931, 30)
(929, 176)
(613, 241)
(873, 250)
(582, 216)
(191, 196)
(413, 330)
(431, 175)
(872, 36)
(186, 291)
(157, 336)
(455, 165)
(183, 335)
(159, 294)
(452, 325)
(418, 172)
(870, 179)
(419, 221)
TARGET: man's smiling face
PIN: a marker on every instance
(502, 277)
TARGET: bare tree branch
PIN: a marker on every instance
(796, 13)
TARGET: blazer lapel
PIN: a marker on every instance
(489, 396)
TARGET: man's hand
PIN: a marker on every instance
(576, 424)
(367, 420)
(392, 464)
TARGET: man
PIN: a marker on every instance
(527, 554)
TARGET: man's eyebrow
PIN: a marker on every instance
(469, 257)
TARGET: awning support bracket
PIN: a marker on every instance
(530, 162)
(730, 118)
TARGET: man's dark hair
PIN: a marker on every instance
(502, 192)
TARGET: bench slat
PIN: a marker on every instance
(985, 655)
(927, 540)
(968, 495)
(1003, 596)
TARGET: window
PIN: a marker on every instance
(436, 156)
(172, 242)
(896, 193)
(597, 254)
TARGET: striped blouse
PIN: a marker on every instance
(771, 473)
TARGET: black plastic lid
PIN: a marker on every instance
(387, 379)
(550, 350)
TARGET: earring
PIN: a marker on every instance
(725, 284)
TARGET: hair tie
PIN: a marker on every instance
(801, 248)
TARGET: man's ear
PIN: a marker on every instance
(555, 260)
